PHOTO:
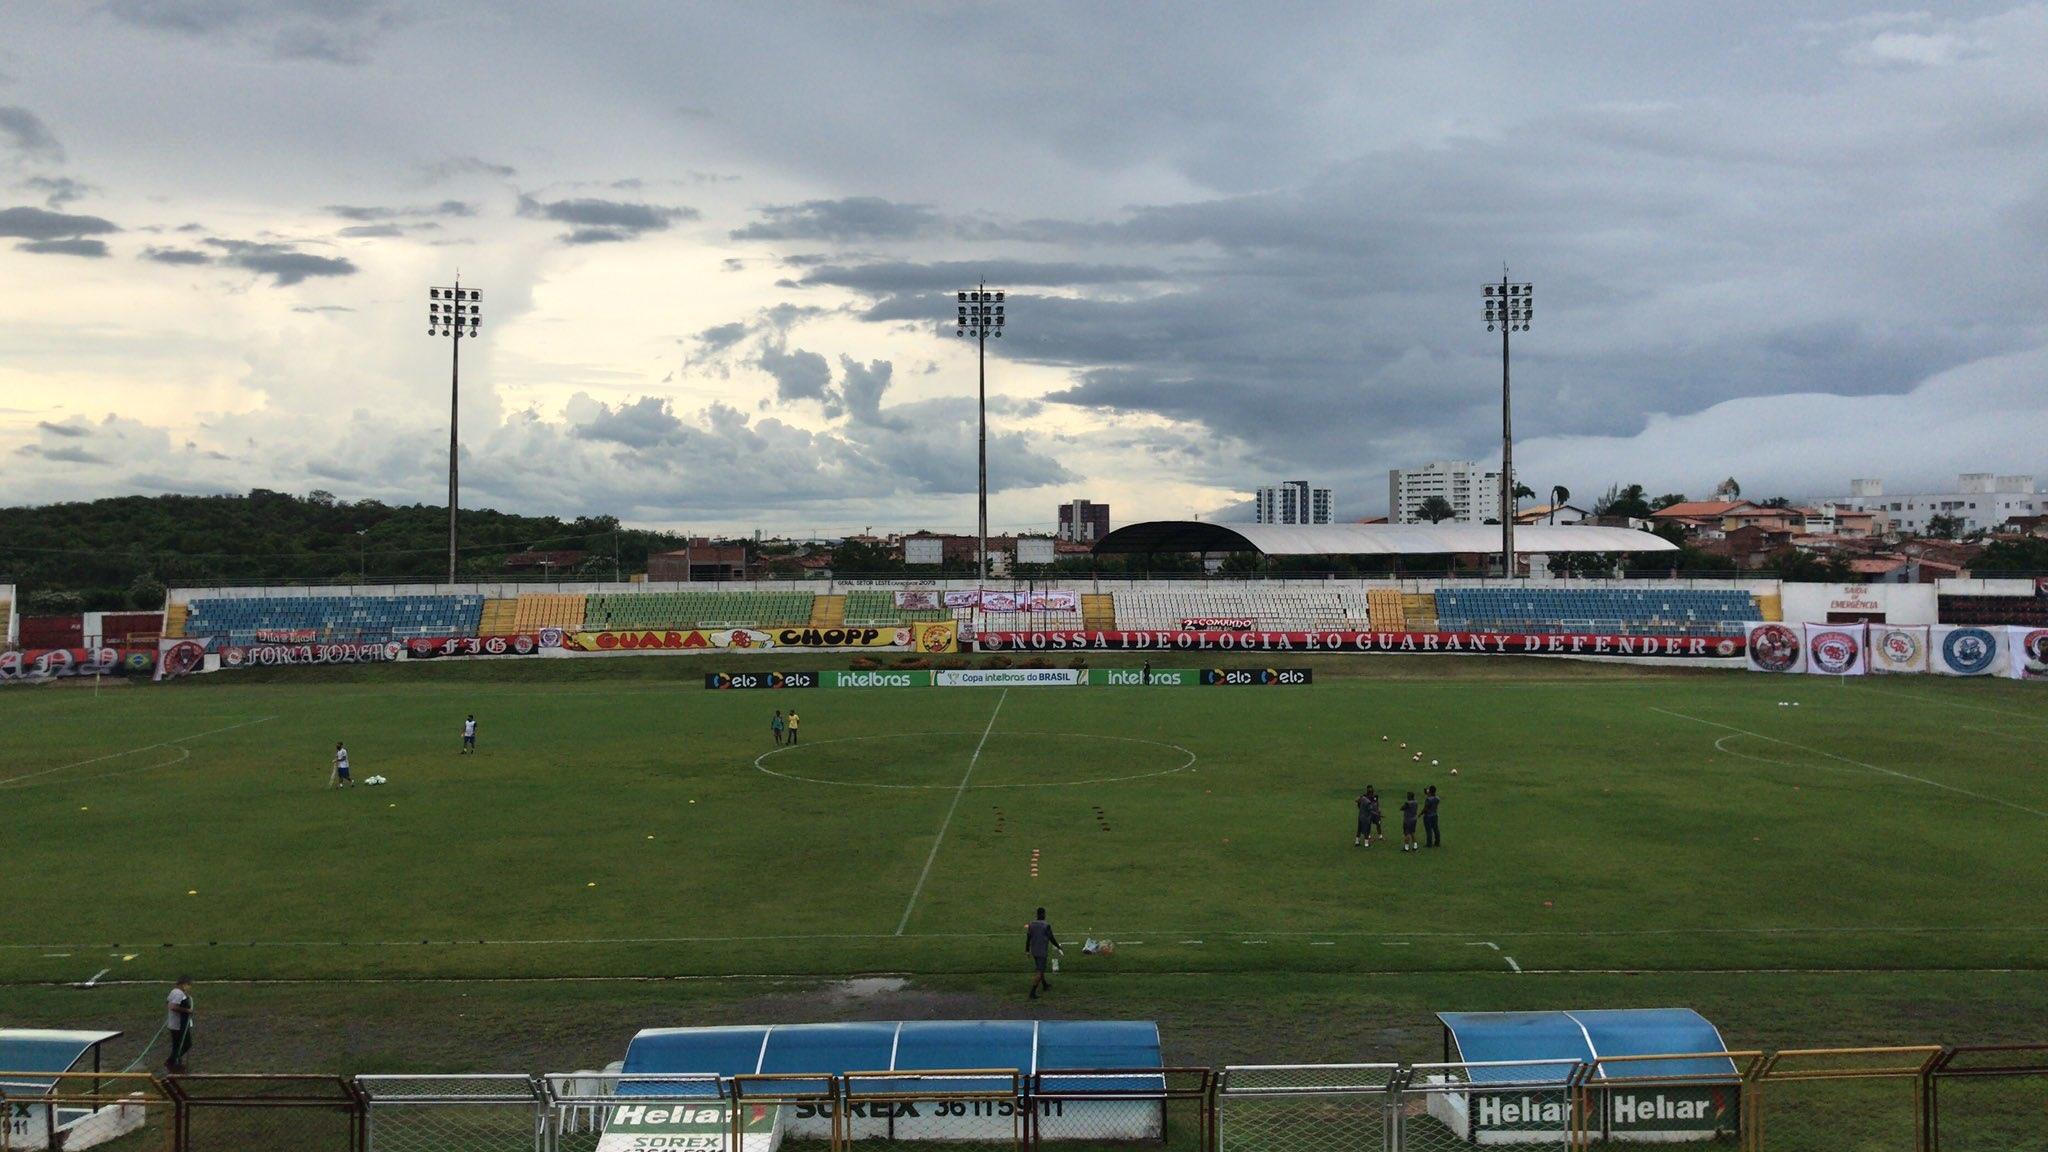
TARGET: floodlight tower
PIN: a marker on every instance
(1509, 304)
(454, 312)
(981, 316)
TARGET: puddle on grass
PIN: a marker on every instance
(862, 987)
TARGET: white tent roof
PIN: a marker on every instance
(1373, 539)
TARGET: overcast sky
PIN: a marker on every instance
(717, 243)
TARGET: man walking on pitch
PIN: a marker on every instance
(1038, 944)
(469, 735)
(1408, 824)
(775, 725)
(1374, 830)
(1431, 837)
(340, 777)
(179, 1025)
(792, 725)
(1364, 834)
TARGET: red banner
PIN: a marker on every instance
(1482, 643)
(273, 655)
(428, 647)
(1219, 624)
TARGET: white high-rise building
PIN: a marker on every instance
(1981, 501)
(1293, 502)
(1473, 491)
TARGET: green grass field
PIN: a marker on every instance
(1865, 867)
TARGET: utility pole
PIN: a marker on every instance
(453, 312)
(1508, 304)
(981, 314)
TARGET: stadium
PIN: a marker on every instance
(766, 746)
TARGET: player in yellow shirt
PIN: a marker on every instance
(794, 723)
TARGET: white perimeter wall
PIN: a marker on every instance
(1898, 603)
(10, 628)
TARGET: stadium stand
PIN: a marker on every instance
(828, 612)
(174, 621)
(871, 609)
(2030, 611)
(335, 618)
(1770, 606)
(1098, 611)
(1418, 611)
(1277, 608)
(499, 617)
(1617, 611)
(545, 610)
(1383, 607)
(630, 610)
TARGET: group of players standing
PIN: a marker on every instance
(1369, 819)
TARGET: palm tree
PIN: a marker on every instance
(1558, 495)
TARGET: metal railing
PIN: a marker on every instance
(1924, 1098)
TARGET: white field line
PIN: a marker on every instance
(950, 809)
(173, 742)
(783, 978)
(95, 979)
(1858, 763)
(1512, 964)
(1951, 703)
(2008, 735)
(1289, 935)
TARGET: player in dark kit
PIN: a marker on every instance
(1364, 834)
(1431, 837)
(1038, 944)
(1373, 828)
(1408, 824)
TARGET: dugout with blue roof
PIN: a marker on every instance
(1069, 1056)
(1582, 1037)
(33, 1058)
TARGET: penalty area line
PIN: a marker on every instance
(173, 742)
(1857, 763)
(958, 792)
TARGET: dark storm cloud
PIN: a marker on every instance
(604, 221)
(176, 256)
(849, 218)
(719, 337)
(68, 431)
(799, 375)
(374, 231)
(285, 264)
(372, 213)
(465, 166)
(23, 132)
(63, 455)
(70, 247)
(946, 276)
(39, 224)
(334, 31)
(58, 190)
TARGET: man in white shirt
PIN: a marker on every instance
(178, 1023)
(340, 778)
(469, 734)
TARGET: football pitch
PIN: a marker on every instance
(1688, 831)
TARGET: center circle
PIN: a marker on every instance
(937, 761)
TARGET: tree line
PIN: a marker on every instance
(121, 552)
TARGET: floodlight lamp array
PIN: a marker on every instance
(1510, 305)
(454, 311)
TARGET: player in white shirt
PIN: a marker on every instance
(340, 779)
(469, 734)
(178, 1022)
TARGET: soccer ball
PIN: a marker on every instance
(1432, 763)
(1454, 771)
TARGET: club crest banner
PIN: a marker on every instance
(918, 599)
(1775, 647)
(1834, 649)
(2029, 652)
(1898, 648)
(1961, 650)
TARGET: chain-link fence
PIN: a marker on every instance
(1305, 1107)
(1699, 1099)
(502, 1113)
(1520, 1103)
(1989, 1099)
(1080, 1109)
(223, 1113)
(982, 1108)
(616, 1111)
(1840, 1100)
(117, 1111)
(792, 1113)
